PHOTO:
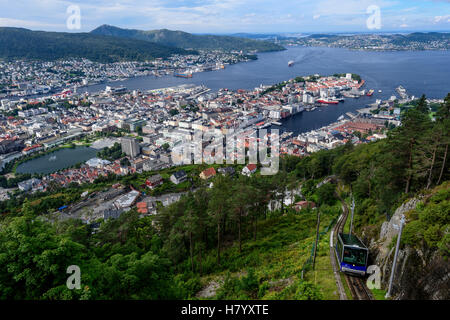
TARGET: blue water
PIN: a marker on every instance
(420, 72)
(57, 160)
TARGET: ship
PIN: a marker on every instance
(327, 101)
(183, 75)
(370, 93)
(402, 92)
(290, 63)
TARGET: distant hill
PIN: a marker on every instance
(424, 37)
(378, 41)
(189, 41)
(41, 45)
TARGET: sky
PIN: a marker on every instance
(230, 16)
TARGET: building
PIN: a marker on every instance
(153, 165)
(111, 213)
(154, 181)
(97, 163)
(29, 184)
(127, 200)
(178, 177)
(227, 171)
(130, 147)
(249, 169)
(303, 205)
(146, 207)
(208, 173)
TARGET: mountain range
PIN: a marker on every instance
(111, 44)
(40, 45)
(189, 41)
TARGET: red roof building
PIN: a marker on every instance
(303, 205)
(208, 173)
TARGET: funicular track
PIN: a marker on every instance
(356, 284)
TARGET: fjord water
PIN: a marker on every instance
(420, 72)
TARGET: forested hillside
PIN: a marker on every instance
(40, 45)
(230, 228)
(186, 40)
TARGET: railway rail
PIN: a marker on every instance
(357, 286)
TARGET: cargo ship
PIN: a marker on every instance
(370, 93)
(327, 101)
(290, 63)
(183, 75)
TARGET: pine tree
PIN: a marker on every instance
(422, 105)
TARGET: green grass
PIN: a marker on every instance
(277, 256)
(323, 275)
(379, 294)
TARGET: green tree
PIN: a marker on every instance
(422, 105)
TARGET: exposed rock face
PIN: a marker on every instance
(420, 273)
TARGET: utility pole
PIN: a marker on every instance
(317, 238)
(353, 210)
(402, 221)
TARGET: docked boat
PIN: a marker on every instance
(183, 75)
(326, 101)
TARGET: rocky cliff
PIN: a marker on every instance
(421, 272)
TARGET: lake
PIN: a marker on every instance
(57, 160)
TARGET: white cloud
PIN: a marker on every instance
(223, 15)
(8, 22)
(438, 19)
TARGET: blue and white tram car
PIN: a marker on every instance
(352, 254)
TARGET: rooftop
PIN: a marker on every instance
(351, 240)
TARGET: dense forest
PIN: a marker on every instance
(216, 228)
(186, 40)
(40, 45)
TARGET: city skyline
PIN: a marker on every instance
(230, 16)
